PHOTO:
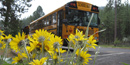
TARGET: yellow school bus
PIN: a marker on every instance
(66, 19)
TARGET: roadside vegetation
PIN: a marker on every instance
(112, 46)
(117, 34)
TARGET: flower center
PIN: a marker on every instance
(38, 47)
(76, 37)
(56, 44)
(80, 43)
(41, 39)
(21, 43)
(81, 59)
(20, 61)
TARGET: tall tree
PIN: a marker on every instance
(11, 11)
(38, 13)
(115, 34)
(108, 18)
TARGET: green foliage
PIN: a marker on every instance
(124, 63)
(36, 14)
(107, 16)
(7, 62)
(10, 13)
(117, 41)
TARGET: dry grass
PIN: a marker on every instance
(9, 53)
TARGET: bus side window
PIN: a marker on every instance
(54, 18)
(47, 21)
(42, 23)
(50, 19)
(60, 19)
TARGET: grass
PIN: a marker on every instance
(112, 46)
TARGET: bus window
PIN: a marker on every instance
(40, 24)
(47, 21)
(54, 18)
(60, 18)
(43, 24)
(81, 18)
(50, 19)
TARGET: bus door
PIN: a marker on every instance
(59, 23)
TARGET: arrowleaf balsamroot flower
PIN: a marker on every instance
(91, 42)
(61, 51)
(83, 56)
(41, 36)
(3, 44)
(55, 57)
(17, 59)
(56, 42)
(78, 38)
(38, 62)
(33, 45)
(1, 33)
(17, 42)
(6, 37)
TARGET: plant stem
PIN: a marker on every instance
(42, 49)
(47, 59)
(26, 52)
(5, 52)
(67, 53)
(96, 55)
(74, 54)
(59, 55)
(86, 33)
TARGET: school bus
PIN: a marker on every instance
(66, 19)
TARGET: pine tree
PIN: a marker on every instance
(11, 12)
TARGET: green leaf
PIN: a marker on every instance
(124, 63)
(4, 62)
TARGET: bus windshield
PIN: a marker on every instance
(81, 18)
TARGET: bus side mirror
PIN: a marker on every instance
(98, 21)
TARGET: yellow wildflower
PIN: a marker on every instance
(17, 42)
(37, 62)
(17, 59)
(6, 37)
(56, 58)
(33, 45)
(78, 38)
(1, 32)
(83, 56)
(41, 35)
(3, 46)
(24, 55)
(61, 51)
(91, 42)
(56, 42)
